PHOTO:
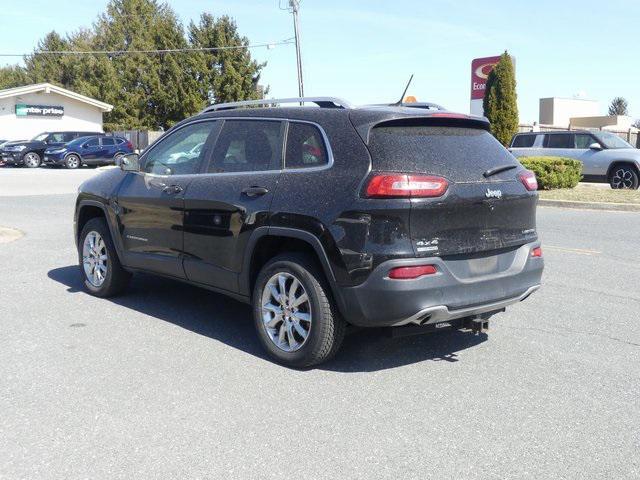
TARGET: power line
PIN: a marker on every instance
(287, 41)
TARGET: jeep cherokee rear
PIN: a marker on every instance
(322, 217)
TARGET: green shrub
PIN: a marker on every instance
(554, 172)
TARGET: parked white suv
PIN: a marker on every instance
(605, 157)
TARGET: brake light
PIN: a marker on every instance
(402, 185)
(130, 145)
(528, 179)
(409, 273)
(449, 115)
(536, 252)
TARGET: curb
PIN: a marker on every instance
(619, 207)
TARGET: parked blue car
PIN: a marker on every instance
(92, 150)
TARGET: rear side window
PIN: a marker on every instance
(120, 141)
(457, 153)
(248, 146)
(524, 141)
(93, 142)
(305, 147)
(108, 142)
(559, 140)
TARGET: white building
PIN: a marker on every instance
(559, 111)
(32, 109)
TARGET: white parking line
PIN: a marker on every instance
(578, 251)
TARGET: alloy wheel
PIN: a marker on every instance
(32, 160)
(286, 312)
(73, 162)
(94, 258)
(622, 178)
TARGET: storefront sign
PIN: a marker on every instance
(24, 110)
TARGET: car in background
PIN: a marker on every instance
(29, 153)
(605, 157)
(92, 150)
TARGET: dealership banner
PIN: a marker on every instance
(24, 110)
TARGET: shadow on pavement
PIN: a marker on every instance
(228, 321)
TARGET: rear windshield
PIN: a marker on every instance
(458, 154)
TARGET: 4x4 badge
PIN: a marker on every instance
(493, 193)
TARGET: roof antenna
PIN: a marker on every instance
(399, 102)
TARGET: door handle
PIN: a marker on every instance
(172, 189)
(255, 191)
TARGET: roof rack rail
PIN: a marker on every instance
(322, 102)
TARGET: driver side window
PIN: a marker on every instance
(181, 152)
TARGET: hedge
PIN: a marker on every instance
(554, 172)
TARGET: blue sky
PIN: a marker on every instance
(364, 51)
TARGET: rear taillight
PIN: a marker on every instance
(528, 179)
(536, 252)
(402, 185)
(130, 145)
(409, 273)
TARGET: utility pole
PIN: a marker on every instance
(294, 7)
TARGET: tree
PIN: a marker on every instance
(619, 106)
(224, 75)
(13, 76)
(147, 89)
(500, 100)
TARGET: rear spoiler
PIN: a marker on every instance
(439, 119)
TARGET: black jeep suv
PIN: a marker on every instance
(29, 153)
(321, 217)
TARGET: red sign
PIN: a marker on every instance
(480, 69)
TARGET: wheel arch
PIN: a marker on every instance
(618, 163)
(267, 242)
(89, 209)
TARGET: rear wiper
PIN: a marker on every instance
(494, 170)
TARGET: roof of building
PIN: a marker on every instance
(49, 88)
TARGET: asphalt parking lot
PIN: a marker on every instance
(168, 381)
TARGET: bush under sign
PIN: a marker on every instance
(23, 110)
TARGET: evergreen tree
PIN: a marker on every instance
(619, 106)
(224, 75)
(13, 76)
(147, 90)
(500, 100)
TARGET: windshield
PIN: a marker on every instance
(611, 140)
(40, 138)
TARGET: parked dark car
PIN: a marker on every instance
(94, 150)
(30, 152)
(379, 216)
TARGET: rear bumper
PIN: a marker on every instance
(462, 287)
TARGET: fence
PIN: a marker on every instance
(632, 135)
(140, 139)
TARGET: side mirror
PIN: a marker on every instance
(595, 146)
(129, 162)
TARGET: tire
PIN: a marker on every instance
(31, 160)
(115, 278)
(624, 177)
(325, 328)
(72, 162)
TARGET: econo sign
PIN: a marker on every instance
(24, 110)
(480, 70)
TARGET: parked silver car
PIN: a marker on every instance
(605, 157)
